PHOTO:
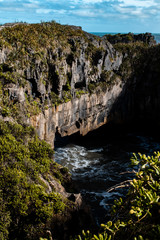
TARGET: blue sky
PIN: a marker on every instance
(93, 15)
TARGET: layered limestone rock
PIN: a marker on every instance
(64, 78)
(61, 79)
(68, 64)
(82, 114)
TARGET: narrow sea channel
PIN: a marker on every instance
(101, 161)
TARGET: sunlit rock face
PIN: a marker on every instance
(82, 114)
(65, 80)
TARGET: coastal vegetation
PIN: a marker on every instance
(27, 206)
(137, 216)
(144, 38)
(41, 68)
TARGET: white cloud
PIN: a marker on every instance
(154, 11)
(123, 10)
(91, 13)
(137, 3)
(84, 13)
(137, 8)
(93, 1)
(90, 1)
(46, 11)
(52, 1)
(137, 11)
(34, 1)
(30, 5)
(129, 11)
(10, 9)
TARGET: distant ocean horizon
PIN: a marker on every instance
(101, 34)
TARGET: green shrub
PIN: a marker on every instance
(26, 207)
(5, 112)
(55, 99)
(137, 216)
(79, 93)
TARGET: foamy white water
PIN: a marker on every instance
(96, 169)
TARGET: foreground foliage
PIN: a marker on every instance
(26, 205)
(137, 216)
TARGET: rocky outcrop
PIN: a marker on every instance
(82, 114)
(146, 38)
(70, 64)
(71, 81)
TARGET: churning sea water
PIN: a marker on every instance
(100, 162)
(101, 34)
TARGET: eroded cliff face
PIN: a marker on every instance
(128, 95)
(65, 83)
(61, 79)
(82, 114)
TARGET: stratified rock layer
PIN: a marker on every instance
(82, 114)
(65, 80)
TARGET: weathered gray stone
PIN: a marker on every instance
(71, 117)
(85, 60)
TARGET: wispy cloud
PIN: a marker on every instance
(46, 11)
(138, 3)
(90, 1)
(139, 8)
(88, 11)
(30, 5)
(84, 13)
